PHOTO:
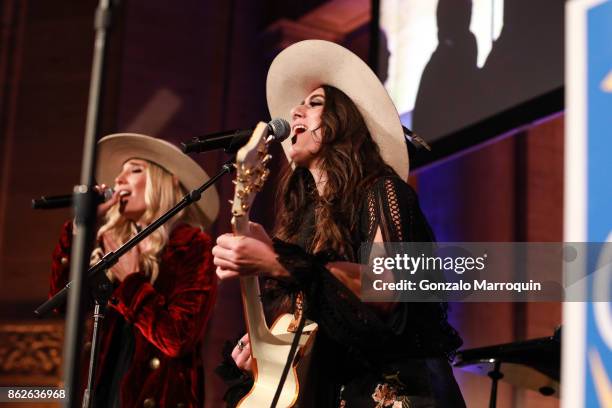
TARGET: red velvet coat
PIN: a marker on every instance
(168, 320)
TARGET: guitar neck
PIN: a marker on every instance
(254, 316)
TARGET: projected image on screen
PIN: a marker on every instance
(449, 64)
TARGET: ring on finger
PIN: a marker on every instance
(241, 345)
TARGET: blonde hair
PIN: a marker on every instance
(162, 192)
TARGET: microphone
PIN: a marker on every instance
(232, 140)
(63, 201)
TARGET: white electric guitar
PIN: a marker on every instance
(269, 345)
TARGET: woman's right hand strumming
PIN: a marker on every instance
(242, 354)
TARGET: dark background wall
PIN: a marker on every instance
(181, 70)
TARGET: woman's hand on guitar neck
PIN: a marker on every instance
(242, 354)
(258, 232)
(247, 255)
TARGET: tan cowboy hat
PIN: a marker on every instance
(304, 66)
(115, 150)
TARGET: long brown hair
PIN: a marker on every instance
(351, 162)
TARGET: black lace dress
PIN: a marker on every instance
(361, 359)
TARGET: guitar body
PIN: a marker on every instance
(270, 347)
(269, 365)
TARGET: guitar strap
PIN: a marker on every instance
(292, 350)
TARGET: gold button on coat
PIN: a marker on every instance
(154, 363)
(64, 260)
(148, 403)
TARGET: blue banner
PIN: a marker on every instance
(598, 344)
(587, 326)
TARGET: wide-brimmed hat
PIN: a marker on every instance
(304, 66)
(115, 150)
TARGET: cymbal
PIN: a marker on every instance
(531, 364)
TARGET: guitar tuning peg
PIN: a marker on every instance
(231, 202)
(235, 165)
(244, 207)
(266, 159)
(234, 182)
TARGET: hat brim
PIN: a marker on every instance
(114, 150)
(302, 67)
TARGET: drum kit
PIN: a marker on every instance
(532, 364)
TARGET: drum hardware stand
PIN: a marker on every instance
(495, 376)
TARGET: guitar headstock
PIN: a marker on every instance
(251, 174)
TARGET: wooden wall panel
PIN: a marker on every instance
(42, 132)
(509, 189)
(470, 197)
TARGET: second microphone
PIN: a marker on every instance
(231, 141)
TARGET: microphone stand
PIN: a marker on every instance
(101, 296)
(103, 287)
(85, 211)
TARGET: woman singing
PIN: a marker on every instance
(346, 187)
(164, 288)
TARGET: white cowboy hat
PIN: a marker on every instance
(115, 150)
(304, 66)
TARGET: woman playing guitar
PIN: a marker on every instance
(346, 187)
